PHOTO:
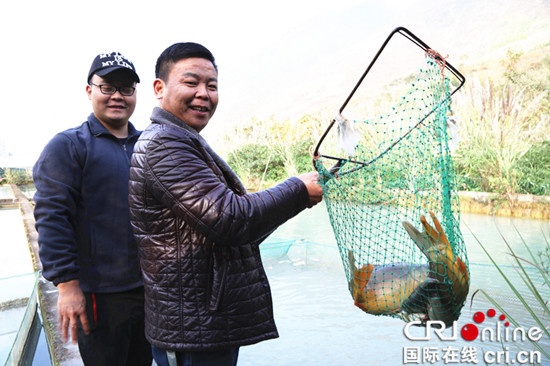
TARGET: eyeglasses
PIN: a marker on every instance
(127, 91)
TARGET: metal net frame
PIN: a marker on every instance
(393, 203)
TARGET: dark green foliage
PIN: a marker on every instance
(15, 176)
(301, 155)
(259, 162)
(253, 160)
(535, 169)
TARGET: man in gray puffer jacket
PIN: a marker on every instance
(198, 230)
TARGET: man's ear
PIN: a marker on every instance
(158, 88)
(89, 91)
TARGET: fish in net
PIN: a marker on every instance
(397, 176)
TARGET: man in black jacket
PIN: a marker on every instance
(85, 239)
(198, 230)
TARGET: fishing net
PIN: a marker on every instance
(393, 206)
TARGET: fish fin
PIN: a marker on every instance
(419, 239)
(362, 275)
(447, 284)
(358, 283)
(434, 245)
(359, 278)
(440, 253)
(462, 268)
(441, 307)
(461, 284)
(436, 234)
(417, 302)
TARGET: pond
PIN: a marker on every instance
(17, 296)
(319, 324)
(317, 320)
(5, 192)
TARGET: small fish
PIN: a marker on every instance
(348, 137)
(435, 291)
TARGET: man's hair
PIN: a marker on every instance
(180, 51)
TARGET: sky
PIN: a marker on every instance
(48, 47)
(281, 58)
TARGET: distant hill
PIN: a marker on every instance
(325, 57)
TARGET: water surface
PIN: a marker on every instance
(314, 312)
(319, 325)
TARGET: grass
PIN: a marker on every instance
(498, 125)
(541, 264)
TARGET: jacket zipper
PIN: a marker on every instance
(216, 297)
(222, 286)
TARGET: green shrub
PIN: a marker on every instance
(260, 165)
(256, 161)
(301, 155)
(535, 169)
(15, 176)
(498, 125)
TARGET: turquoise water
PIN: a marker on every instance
(319, 325)
(314, 312)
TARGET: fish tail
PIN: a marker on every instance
(436, 234)
(461, 283)
(422, 242)
(359, 279)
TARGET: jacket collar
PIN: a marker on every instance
(160, 115)
(97, 128)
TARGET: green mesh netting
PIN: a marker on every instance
(394, 209)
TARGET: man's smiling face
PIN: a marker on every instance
(190, 91)
(112, 110)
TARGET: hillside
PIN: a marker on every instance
(502, 111)
(474, 34)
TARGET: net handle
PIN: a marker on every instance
(410, 36)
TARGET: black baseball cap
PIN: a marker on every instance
(105, 63)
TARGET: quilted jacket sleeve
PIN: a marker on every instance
(185, 179)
